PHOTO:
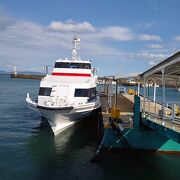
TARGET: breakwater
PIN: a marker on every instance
(27, 76)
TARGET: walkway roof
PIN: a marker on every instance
(171, 68)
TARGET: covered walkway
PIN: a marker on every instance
(165, 74)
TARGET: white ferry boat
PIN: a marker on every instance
(69, 93)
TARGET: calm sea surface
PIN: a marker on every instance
(28, 150)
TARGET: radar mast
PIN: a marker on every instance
(76, 42)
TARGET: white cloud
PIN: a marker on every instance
(155, 46)
(147, 37)
(27, 34)
(117, 33)
(156, 56)
(146, 56)
(71, 26)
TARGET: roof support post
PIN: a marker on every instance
(106, 87)
(116, 100)
(138, 88)
(173, 113)
(144, 105)
(163, 91)
(148, 100)
(154, 97)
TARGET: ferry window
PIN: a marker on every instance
(76, 65)
(87, 66)
(72, 65)
(92, 92)
(81, 93)
(61, 65)
(43, 91)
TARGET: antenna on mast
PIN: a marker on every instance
(75, 42)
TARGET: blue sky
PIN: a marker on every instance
(119, 36)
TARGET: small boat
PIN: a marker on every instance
(69, 93)
(131, 82)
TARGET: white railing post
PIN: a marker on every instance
(155, 107)
(148, 100)
(110, 103)
(173, 114)
(173, 111)
(140, 105)
(148, 106)
(154, 99)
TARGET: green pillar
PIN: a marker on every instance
(137, 115)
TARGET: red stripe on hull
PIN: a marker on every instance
(71, 74)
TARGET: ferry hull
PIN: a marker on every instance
(60, 120)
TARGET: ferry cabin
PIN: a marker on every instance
(69, 85)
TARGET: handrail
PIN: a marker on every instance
(169, 112)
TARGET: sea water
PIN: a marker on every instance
(28, 149)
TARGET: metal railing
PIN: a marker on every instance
(169, 111)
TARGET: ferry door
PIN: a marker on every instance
(63, 93)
